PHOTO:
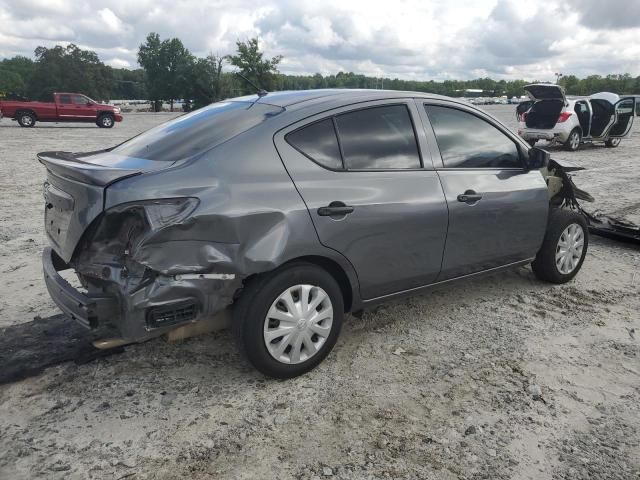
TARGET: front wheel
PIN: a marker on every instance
(106, 120)
(286, 322)
(612, 142)
(573, 141)
(564, 247)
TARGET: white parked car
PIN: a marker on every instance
(601, 117)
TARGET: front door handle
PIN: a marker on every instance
(469, 197)
(335, 209)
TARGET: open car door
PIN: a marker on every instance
(625, 112)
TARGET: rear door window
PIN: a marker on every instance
(467, 141)
(378, 138)
(65, 99)
(318, 141)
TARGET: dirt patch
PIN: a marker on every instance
(26, 349)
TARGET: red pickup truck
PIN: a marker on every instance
(66, 107)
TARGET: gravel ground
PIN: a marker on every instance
(499, 378)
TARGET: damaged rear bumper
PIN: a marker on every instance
(160, 305)
(88, 311)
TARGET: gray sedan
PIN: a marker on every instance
(295, 208)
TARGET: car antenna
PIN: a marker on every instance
(260, 91)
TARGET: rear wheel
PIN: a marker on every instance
(26, 119)
(286, 322)
(612, 142)
(573, 141)
(106, 120)
(564, 247)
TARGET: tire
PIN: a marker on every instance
(573, 140)
(106, 120)
(26, 119)
(260, 300)
(612, 142)
(545, 266)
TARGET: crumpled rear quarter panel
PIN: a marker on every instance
(250, 219)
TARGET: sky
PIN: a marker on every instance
(408, 39)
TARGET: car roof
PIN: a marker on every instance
(289, 98)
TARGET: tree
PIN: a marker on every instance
(150, 59)
(69, 68)
(15, 74)
(178, 63)
(10, 82)
(167, 66)
(128, 84)
(252, 64)
(208, 83)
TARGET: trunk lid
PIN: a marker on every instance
(545, 91)
(74, 191)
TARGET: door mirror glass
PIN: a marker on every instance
(538, 158)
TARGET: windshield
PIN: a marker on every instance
(197, 131)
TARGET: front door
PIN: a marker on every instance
(361, 174)
(497, 210)
(83, 108)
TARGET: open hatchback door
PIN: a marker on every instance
(545, 91)
(549, 102)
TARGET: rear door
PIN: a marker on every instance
(625, 111)
(497, 210)
(371, 193)
(65, 106)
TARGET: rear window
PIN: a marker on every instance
(318, 141)
(197, 131)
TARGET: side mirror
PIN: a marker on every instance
(90, 104)
(538, 158)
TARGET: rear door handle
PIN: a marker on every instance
(469, 197)
(335, 209)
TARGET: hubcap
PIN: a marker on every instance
(298, 323)
(569, 249)
(575, 141)
(106, 121)
(27, 120)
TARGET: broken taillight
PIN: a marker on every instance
(563, 117)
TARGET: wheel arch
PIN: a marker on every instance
(345, 282)
(22, 111)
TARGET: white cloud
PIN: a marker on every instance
(118, 63)
(412, 39)
(111, 21)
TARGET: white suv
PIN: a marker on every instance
(602, 117)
